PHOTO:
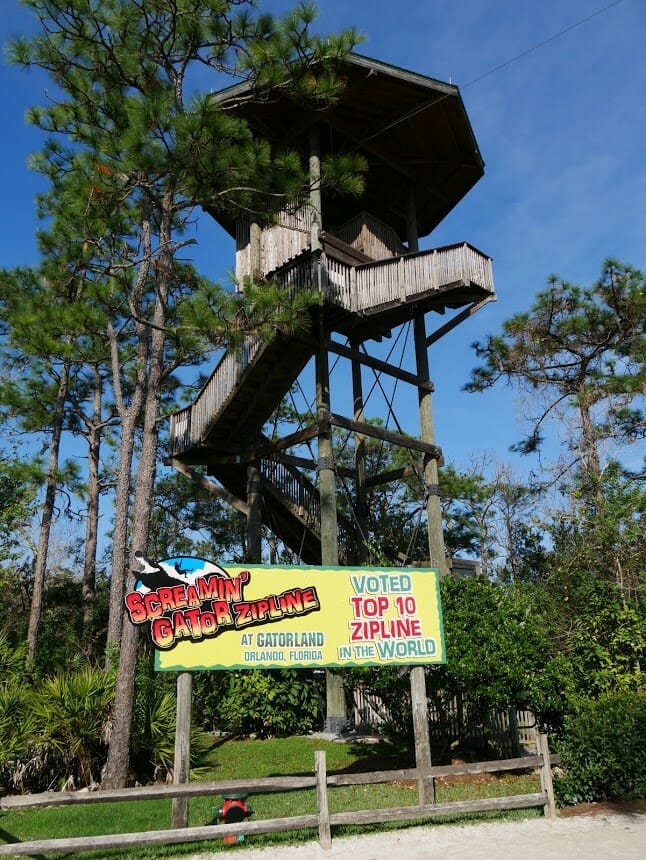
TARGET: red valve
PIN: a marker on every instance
(234, 809)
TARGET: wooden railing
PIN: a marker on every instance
(190, 425)
(302, 497)
(362, 288)
(403, 278)
(294, 489)
(323, 819)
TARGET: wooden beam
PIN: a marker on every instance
(382, 366)
(276, 445)
(410, 442)
(395, 475)
(291, 460)
(457, 319)
(210, 486)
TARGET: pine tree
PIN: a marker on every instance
(143, 155)
(578, 349)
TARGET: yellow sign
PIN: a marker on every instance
(203, 616)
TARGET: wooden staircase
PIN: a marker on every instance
(222, 428)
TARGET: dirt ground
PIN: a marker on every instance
(603, 831)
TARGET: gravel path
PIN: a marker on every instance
(601, 837)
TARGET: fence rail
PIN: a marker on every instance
(323, 819)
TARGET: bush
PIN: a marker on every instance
(602, 750)
(152, 741)
(72, 710)
(274, 703)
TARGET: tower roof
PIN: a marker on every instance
(413, 131)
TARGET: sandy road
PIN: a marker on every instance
(601, 837)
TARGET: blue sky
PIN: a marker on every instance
(561, 124)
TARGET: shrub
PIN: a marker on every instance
(274, 703)
(602, 750)
(72, 710)
(152, 742)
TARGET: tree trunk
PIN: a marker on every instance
(88, 585)
(121, 531)
(47, 516)
(590, 451)
(129, 415)
(116, 769)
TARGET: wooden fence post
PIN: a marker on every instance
(546, 775)
(423, 761)
(320, 770)
(182, 766)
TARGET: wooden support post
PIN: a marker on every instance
(182, 763)
(361, 497)
(546, 775)
(431, 474)
(315, 186)
(419, 699)
(320, 770)
(254, 515)
(255, 249)
(335, 720)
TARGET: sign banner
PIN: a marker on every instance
(203, 616)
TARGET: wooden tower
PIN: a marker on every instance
(362, 256)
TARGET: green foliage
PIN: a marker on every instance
(153, 731)
(273, 703)
(602, 751)
(17, 719)
(18, 482)
(580, 348)
(600, 636)
(61, 627)
(189, 520)
(52, 733)
(17, 730)
(72, 711)
(601, 535)
(494, 644)
(495, 647)
(465, 510)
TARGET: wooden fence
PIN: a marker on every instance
(323, 820)
(510, 732)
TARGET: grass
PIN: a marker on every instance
(232, 759)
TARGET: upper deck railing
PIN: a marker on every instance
(368, 286)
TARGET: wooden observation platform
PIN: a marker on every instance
(362, 257)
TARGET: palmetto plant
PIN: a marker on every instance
(17, 731)
(72, 711)
(153, 735)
